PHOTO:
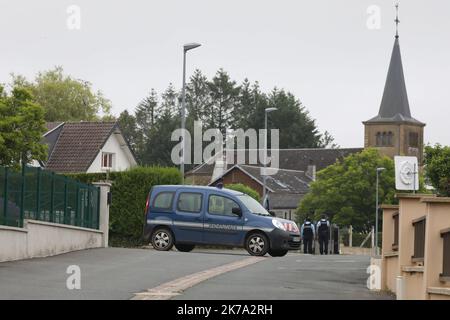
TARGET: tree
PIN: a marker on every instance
(224, 96)
(158, 146)
(437, 168)
(128, 126)
(169, 104)
(223, 104)
(327, 141)
(252, 102)
(244, 189)
(146, 113)
(65, 98)
(297, 128)
(21, 128)
(346, 190)
(197, 97)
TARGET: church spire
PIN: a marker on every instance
(394, 104)
(396, 21)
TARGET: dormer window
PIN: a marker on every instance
(107, 160)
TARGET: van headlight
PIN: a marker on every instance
(278, 224)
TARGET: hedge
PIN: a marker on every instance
(129, 192)
(244, 189)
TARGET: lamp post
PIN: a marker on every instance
(186, 48)
(267, 110)
(376, 212)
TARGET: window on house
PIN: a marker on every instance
(445, 275)
(414, 139)
(419, 239)
(396, 229)
(107, 160)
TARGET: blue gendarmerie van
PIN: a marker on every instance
(186, 216)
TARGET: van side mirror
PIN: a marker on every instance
(272, 213)
(237, 211)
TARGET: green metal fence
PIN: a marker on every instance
(37, 194)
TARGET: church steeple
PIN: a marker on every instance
(394, 131)
(394, 104)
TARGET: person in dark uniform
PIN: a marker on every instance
(323, 232)
(308, 234)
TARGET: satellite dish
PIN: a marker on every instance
(406, 173)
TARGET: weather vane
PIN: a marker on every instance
(396, 20)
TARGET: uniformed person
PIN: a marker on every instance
(323, 232)
(308, 234)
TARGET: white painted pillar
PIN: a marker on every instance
(400, 288)
(105, 187)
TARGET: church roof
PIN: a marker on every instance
(394, 104)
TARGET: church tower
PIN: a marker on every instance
(394, 131)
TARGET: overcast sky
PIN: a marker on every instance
(322, 51)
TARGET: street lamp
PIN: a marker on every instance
(376, 212)
(267, 110)
(186, 48)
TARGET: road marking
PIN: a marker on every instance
(175, 287)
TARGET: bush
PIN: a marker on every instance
(244, 189)
(129, 191)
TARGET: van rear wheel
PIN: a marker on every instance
(185, 247)
(257, 244)
(278, 253)
(162, 239)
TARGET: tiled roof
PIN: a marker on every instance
(77, 145)
(284, 200)
(283, 181)
(52, 125)
(291, 159)
(286, 187)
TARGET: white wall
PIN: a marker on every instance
(122, 157)
(13, 243)
(42, 239)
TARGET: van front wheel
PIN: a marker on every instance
(257, 244)
(162, 239)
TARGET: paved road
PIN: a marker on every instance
(111, 273)
(116, 273)
(295, 276)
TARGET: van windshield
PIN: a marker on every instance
(254, 206)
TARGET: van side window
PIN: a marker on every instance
(163, 201)
(190, 202)
(218, 205)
